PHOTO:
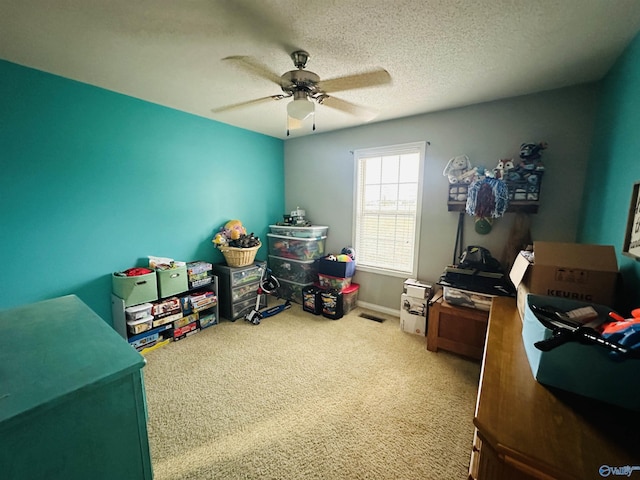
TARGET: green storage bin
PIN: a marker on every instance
(172, 281)
(135, 290)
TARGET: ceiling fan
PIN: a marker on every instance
(307, 88)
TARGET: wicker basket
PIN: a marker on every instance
(240, 257)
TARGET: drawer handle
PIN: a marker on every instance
(175, 275)
(141, 282)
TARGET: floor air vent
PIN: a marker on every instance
(372, 317)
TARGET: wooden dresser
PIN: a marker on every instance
(525, 430)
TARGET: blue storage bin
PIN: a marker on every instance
(336, 269)
(585, 369)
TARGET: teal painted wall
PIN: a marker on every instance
(92, 182)
(614, 166)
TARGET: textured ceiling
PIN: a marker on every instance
(440, 53)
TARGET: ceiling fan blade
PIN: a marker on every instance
(372, 78)
(351, 108)
(257, 101)
(253, 66)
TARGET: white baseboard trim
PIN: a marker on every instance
(379, 308)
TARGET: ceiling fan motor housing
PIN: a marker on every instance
(300, 80)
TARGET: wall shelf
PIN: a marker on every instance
(515, 206)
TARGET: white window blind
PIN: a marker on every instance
(388, 199)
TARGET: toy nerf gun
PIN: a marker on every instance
(625, 332)
(565, 329)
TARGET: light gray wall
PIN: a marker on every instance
(319, 174)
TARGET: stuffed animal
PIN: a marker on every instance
(349, 251)
(232, 230)
(235, 229)
(502, 169)
(530, 154)
(459, 170)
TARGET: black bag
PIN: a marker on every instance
(479, 258)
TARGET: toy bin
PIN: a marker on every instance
(140, 325)
(291, 290)
(331, 304)
(311, 299)
(337, 283)
(336, 269)
(172, 281)
(137, 312)
(300, 271)
(585, 369)
(350, 298)
(135, 289)
(296, 248)
(314, 231)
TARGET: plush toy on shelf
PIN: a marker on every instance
(459, 170)
(530, 155)
(503, 168)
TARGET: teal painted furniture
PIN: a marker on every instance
(72, 401)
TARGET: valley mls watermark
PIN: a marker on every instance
(624, 471)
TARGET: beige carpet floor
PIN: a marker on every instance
(304, 397)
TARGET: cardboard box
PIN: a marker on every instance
(207, 320)
(581, 272)
(164, 308)
(413, 314)
(417, 289)
(199, 274)
(169, 319)
(186, 331)
(581, 368)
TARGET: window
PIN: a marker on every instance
(388, 199)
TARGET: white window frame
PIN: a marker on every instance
(361, 155)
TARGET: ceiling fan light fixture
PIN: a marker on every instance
(300, 108)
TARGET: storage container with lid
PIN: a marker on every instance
(350, 298)
(301, 271)
(338, 283)
(296, 248)
(291, 290)
(140, 325)
(313, 231)
(137, 312)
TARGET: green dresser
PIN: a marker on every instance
(72, 401)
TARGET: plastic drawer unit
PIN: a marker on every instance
(238, 289)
